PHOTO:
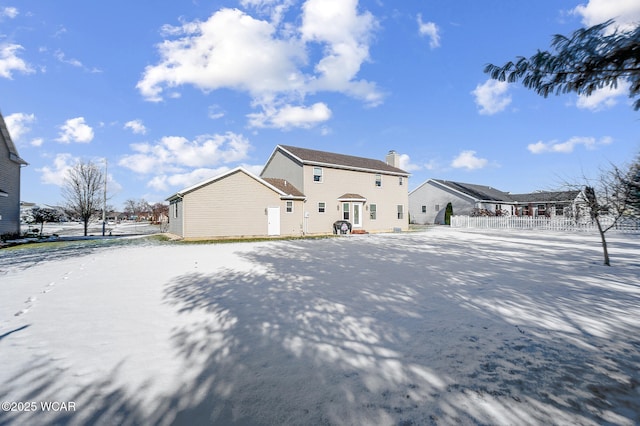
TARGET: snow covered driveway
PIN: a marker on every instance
(438, 327)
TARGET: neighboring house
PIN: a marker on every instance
(300, 191)
(547, 203)
(236, 204)
(427, 203)
(10, 164)
(371, 194)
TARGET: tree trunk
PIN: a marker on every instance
(86, 226)
(604, 243)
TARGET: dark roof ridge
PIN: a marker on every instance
(314, 156)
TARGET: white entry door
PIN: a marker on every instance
(357, 215)
(273, 221)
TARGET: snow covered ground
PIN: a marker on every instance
(65, 229)
(438, 327)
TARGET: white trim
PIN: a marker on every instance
(361, 211)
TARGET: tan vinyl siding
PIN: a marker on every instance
(235, 206)
(284, 167)
(336, 182)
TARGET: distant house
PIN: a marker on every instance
(547, 203)
(10, 164)
(370, 194)
(300, 191)
(427, 203)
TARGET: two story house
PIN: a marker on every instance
(299, 192)
(10, 164)
(370, 194)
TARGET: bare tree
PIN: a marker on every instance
(607, 201)
(83, 191)
(130, 208)
(143, 208)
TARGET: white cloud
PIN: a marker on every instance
(431, 30)
(18, 124)
(205, 55)
(492, 96)
(603, 98)
(184, 180)
(569, 145)
(406, 164)
(60, 56)
(75, 130)
(468, 160)
(136, 126)
(173, 155)
(274, 8)
(9, 12)
(345, 36)
(626, 13)
(56, 174)
(216, 112)
(290, 116)
(10, 62)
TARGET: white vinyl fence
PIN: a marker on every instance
(541, 222)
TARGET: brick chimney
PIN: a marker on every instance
(393, 159)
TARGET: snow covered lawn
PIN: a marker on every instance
(438, 327)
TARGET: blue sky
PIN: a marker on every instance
(172, 93)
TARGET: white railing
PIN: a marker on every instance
(541, 222)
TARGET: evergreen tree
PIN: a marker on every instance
(589, 60)
(448, 212)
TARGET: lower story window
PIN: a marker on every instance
(373, 211)
(400, 211)
(321, 207)
(345, 211)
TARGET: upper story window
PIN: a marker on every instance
(321, 207)
(424, 209)
(317, 174)
(400, 181)
(289, 206)
(378, 180)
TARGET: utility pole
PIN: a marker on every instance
(104, 200)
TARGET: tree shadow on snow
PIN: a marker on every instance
(404, 330)
(411, 331)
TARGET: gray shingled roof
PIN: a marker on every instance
(13, 152)
(487, 193)
(479, 192)
(284, 186)
(312, 156)
(546, 196)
